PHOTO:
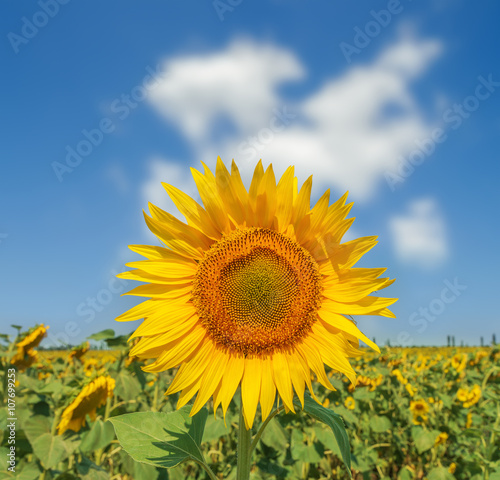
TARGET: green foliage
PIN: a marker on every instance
(311, 444)
(162, 439)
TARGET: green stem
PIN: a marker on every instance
(99, 452)
(55, 422)
(263, 426)
(244, 451)
(207, 469)
(155, 397)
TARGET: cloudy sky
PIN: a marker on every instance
(396, 102)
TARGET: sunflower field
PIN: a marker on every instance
(414, 413)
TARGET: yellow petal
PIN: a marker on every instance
(230, 381)
(284, 199)
(302, 204)
(195, 214)
(342, 323)
(283, 379)
(211, 200)
(174, 353)
(162, 291)
(315, 362)
(178, 245)
(166, 269)
(153, 252)
(267, 389)
(365, 306)
(210, 379)
(250, 389)
(139, 311)
(188, 393)
(297, 375)
(194, 369)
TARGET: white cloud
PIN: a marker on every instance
(420, 235)
(239, 83)
(348, 132)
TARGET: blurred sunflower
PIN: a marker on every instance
(469, 397)
(441, 439)
(23, 360)
(350, 403)
(92, 396)
(419, 409)
(409, 388)
(32, 339)
(78, 352)
(253, 290)
(468, 422)
(459, 362)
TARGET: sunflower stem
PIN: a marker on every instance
(244, 451)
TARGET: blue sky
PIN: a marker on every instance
(397, 102)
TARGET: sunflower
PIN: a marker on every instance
(92, 396)
(459, 362)
(410, 389)
(468, 423)
(32, 340)
(420, 409)
(397, 373)
(253, 290)
(78, 352)
(469, 397)
(23, 360)
(350, 403)
(441, 439)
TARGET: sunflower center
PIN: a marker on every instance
(256, 291)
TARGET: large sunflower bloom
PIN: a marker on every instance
(91, 397)
(253, 290)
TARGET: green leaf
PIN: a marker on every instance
(405, 474)
(275, 436)
(311, 453)
(143, 471)
(120, 341)
(440, 473)
(99, 436)
(215, 428)
(50, 449)
(162, 439)
(24, 471)
(334, 421)
(88, 470)
(424, 441)
(102, 335)
(363, 394)
(380, 424)
(127, 387)
(495, 475)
